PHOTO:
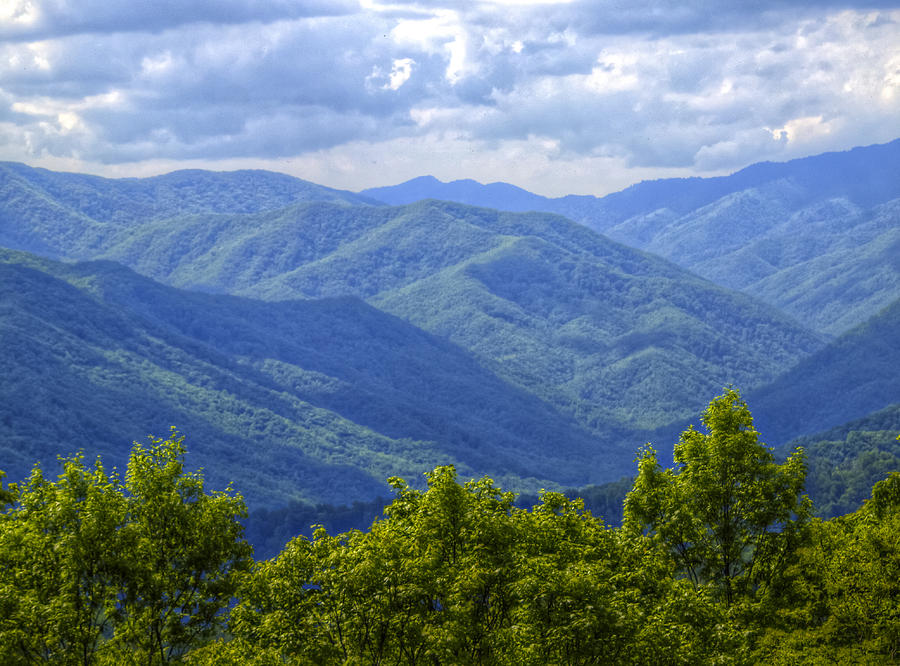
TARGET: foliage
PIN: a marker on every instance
(843, 472)
(96, 570)
(842, 598)
(458, 574)
(62, 563)
(729, 514)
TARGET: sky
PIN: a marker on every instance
(581, 96)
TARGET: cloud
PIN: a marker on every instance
(643, 87)
(47, 19)
(697, 100)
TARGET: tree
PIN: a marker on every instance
(729, 514)
(457, 574)
(60, 565)
(93, 569)
(429, 582)
(841, 603)
(186, 549)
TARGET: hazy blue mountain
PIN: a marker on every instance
(827, 176)
(605, 344)
(816, 237)
(72, 215)
(501, 196)
(851, 377)
(810, 179)
(316, 400)
(614, 340)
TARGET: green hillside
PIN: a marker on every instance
(831, 264)
(72, 215)
(839, 288)
(843, 460)
(616, 338)
(802, 235)
(619, 340)
(851, 377)
(320, 401)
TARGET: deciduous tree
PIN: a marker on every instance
(728, 513)
(96, 570)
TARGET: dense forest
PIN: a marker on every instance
(719, 559)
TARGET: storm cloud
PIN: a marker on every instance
(557, 97)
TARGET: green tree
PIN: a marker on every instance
(457, 574)
(841, 603)
(61, 566)
(96, 570)
(729, 514)
(186, 552)
(429, 581)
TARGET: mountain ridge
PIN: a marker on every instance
(694, 221)
(403, 259)
(328, 384)
(435, 312)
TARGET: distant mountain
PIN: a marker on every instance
(851, 377)
(71, 214)
(810, 179)
(522, 345)
(315, 400)
(501, 196)
(816, 237)
(819, 177)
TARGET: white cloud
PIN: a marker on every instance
(613, 72)
(401, 70)
(18, 14)
(535, 93)
(443, 34)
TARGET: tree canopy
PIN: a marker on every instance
(94, 569)
(717, 562)
(729, 514)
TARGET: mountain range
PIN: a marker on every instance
(311, 342)
(816, 237)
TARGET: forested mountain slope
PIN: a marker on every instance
(72, 215)
(831, 263)
(845, 461)
(849, 378)
(613, 337)
(817, 237)
(319, 400)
